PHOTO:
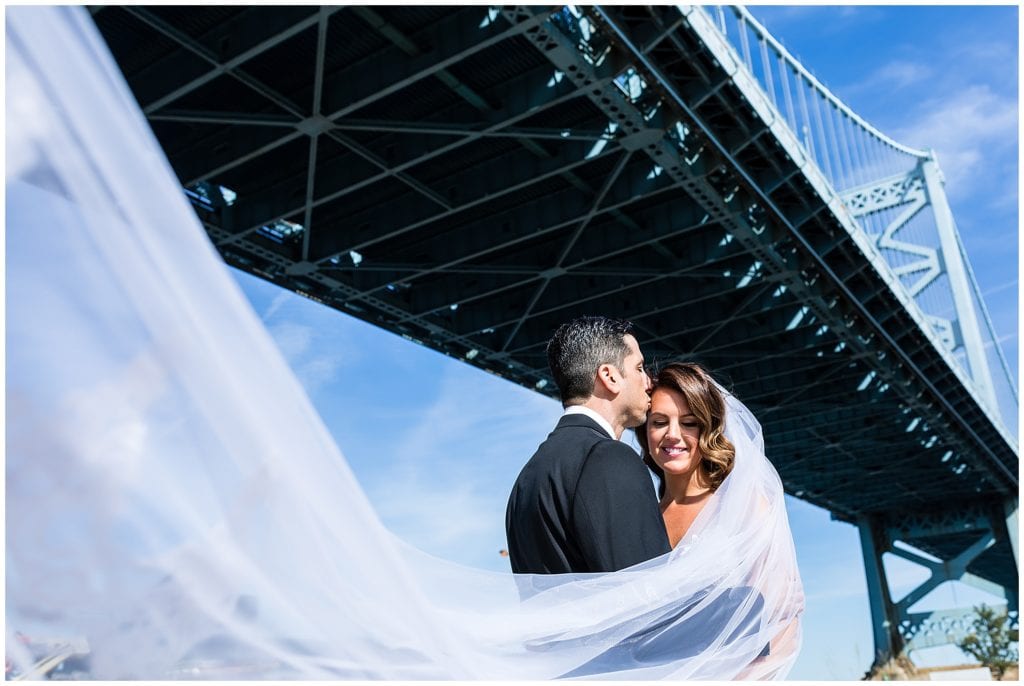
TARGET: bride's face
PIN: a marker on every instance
(672, 432)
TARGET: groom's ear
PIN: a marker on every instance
(608, 378)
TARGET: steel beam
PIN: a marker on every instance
(224, 118)
(219, 68)
(896, 627)
(1013, 527)
(581, 267)
(381, 75)
(351, 181)
(945, 627)
(968, 320)
(518, 225)
(456, 129)
(884, 621)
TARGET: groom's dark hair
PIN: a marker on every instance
(579, 347)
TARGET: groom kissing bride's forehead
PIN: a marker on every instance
(584, 501)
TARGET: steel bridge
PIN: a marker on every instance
(471, 177)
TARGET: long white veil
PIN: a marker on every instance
(175, 502)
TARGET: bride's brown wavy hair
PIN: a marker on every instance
(706, 403)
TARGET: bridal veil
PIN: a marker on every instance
(174, 500)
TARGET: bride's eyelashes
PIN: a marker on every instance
(686, 425)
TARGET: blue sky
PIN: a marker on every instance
(436, 444)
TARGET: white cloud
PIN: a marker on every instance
(276, 304)
(314, 362)
(1002, 339)
(894, 75)
(293, 339)
(987, 54)
(317, 371)
(437, 520)
(1000, 287)
(447, 496)
(780, 15)
(311, 338)
(969, 130)
(902, 73)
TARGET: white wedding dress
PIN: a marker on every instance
(174, 500)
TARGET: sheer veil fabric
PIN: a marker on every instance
(174, 499)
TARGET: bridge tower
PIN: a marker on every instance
(896, 199)
(920, 265)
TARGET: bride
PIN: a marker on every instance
(684, 443)
(160, 512)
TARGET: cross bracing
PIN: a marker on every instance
(470, 177)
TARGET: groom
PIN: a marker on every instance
(585, 502)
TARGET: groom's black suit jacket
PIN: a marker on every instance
(583, 503)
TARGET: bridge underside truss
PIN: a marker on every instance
(470, 178)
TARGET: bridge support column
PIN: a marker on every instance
(957, 274)
(978, 529)
(1008, 530)
(1012, 530)
(884, 625)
